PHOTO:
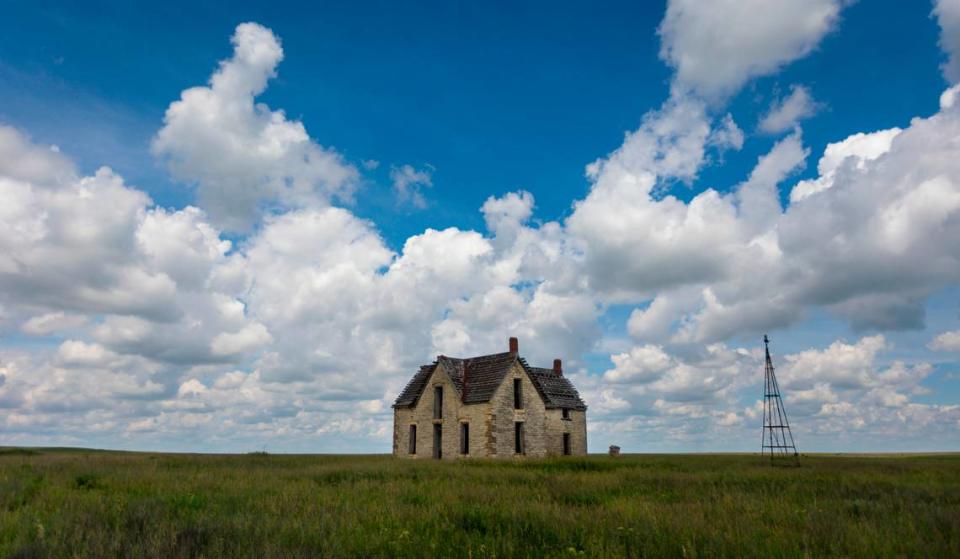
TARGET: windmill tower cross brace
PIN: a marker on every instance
(777, 438)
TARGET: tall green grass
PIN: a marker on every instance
(66, 504)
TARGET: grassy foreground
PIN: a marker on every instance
(59, 503)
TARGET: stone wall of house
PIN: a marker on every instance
(402, 419)
(454, 413)
(557, 426)
(492, 424)
(577, 427)
(504, 417)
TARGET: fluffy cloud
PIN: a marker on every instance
(948, 16)
(832, 396)
(243, 156)
(505, 216)
(142, 292)
(637, 244)
(758, 198)
(707, 374)
(49, 323)
(716, 47)
(670, 144)
(640, 363)
(727, 135)
(656, 399)
(407, 184)
(67, 242)
(850, 155)
(885, 224)
(25, 162)
(247, 339)
(869, 239)
(947, 341)
(840, 365)
(843, 387)
(636, 241)
(787, 112)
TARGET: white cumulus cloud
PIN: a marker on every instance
(948, 16)
(243, 156)
(947, 341)
(785, 113)
(408, 183)
(718, 46)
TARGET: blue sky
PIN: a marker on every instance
(497, 97)
(481, 101)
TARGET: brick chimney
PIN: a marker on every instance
(558, 367)
(514, 346)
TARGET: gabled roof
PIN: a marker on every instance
(557, 390)
(477, 378)
(411, 392)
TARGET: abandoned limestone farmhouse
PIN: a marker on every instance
(489, 406)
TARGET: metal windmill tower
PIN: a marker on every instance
(777, 438)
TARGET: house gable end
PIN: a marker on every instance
(411, 392)
(484, 375)
(410, 396)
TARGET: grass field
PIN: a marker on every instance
(63, 503)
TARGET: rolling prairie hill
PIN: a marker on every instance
(75, 502)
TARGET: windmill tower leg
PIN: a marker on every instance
(777, 439)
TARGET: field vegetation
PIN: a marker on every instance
(63, 503)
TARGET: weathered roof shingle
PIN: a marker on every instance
(557, 390)
(411, 392)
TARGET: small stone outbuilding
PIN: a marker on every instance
(492, 406)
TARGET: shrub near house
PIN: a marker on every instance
(489, 406)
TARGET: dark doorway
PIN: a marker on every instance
(437, 441)
(518, 437)
(566, 444)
